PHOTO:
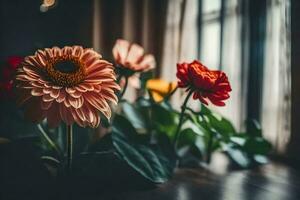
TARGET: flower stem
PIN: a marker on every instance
(48, 139)
(125, 87)
(183, 108)
(171, 93)
(209, 147)
(119, 79)
(69, 148)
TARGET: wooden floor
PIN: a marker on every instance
(268, 182)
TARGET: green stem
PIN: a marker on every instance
(69, 148)
(177, 133)
(119, 79)
(125, 87)
(48, 139)
(209, 147)
(171, 93)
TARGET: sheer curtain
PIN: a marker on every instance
(181, 44)
(277, 82)
(230, 58)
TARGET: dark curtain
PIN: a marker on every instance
(294, 147)
(24, 28)
(139, 21)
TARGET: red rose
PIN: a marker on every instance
(14, 61)
(6, 79)
(212, 85)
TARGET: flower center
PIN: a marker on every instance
(66, 71)
(66, 66)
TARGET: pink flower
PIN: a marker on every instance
(71, 84)
(132, 57)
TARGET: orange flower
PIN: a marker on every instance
(206, 84)
(131, 56)
(160, 88)
(70, 84)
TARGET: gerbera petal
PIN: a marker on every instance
(37, 92)
(75, 102)
(76, 94)
(47, 97)
(110, 96)
(77, 51)
(120, 51)
(70, 90)
(67, 50)
(65, 114)
(147, 63)
(54, 93)
(53, 116)
(56, 52)
(61, 97)
(99, 103)
(135, 54)
(85, 86)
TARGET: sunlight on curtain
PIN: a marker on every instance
(277, 83)
(179, 46)
(231, 60)
(231, 49)
(171, 41)
(210, 40)
(210, 47)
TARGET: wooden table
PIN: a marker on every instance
(269, 182)
(272, 181)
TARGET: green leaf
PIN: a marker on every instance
(146, 159)
(260, 159)
(239, 157)
(238, 139)
(222, 125)
(164, 120)
(205, 110)
(254, 128)
(257, 145)
(187, 138)
(134, 115)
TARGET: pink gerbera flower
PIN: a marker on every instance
(71, 84)
(132, 57)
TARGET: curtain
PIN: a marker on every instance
(277, 73)
(182, 43)
(138, 21)
(231, 61)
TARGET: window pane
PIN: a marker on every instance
(210, 45)
(211, 5)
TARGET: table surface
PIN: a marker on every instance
(272, 181)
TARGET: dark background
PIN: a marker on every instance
(24, 28)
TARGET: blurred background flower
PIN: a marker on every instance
(160, 88)
(7, 75)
